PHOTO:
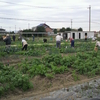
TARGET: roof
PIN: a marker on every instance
(44, 25)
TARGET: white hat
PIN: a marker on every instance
(7, 34)
(57, 33)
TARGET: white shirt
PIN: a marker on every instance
(24, 42)
(98, 43)
(58, 38)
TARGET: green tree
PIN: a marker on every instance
(40, 29)
(68, 29)
(55, 31)
(27, 30)
(80, 29)
(62, 29)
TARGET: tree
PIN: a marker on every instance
(55, 31)
(62, 29)
(40, 29)
(80, 29)
(27, 30)
(68, 29)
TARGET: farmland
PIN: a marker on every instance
(43, 67)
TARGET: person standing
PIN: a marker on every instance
(13, 37)
(58, 40)
(33, 37)
(7, 40)
(72, 42)
(24, 44)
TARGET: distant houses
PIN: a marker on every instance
(2, 30)
(47, 28)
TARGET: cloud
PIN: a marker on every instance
(44, 11)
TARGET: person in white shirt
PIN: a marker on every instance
(98, 43)
(58, 40)
(24, 44)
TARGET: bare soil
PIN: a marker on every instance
(43, 85)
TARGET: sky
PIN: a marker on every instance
(24, 14)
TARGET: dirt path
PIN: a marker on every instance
(42, 86)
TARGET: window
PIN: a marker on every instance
(73, 35)
(79, 35)
(85, 34)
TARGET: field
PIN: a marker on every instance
(43, 67)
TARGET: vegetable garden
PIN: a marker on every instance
(45, 60)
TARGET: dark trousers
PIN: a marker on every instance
(58, 44)
(25, 47)
(72, 43)
(13, 39)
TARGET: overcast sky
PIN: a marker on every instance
(24, 14)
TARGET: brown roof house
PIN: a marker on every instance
(47, 28)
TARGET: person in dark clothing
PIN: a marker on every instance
(44, 40)
(7, 39)
(13, 37)
(72, 43)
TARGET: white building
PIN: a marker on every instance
(78, 34)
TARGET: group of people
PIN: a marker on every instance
(59, 38)
(7, 40)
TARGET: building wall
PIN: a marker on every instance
(48, 29)
(82, 34)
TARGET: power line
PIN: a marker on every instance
(42, 6)
(9, 18)
(25, 5)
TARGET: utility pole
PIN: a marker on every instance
(71, 24)
(15, 28)
(71, 28)
(89, 17)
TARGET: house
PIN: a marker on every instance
(78, 34)
(2, 30)
(47, 28)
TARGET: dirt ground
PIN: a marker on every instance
(43, 85)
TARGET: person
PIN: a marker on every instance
(33, 37)
(96, 48)
(98, 43)
(58, 40)
(45, 40)
(13, 37)
(72, 42)
(7, 40)
(24, 44)
(85, 37)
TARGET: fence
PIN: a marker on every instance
(38, 36)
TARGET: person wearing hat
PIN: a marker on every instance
(24, 44)
(7, 40)
(58, 40)
(96, 48)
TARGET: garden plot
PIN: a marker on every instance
(44, 64)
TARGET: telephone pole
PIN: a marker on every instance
(89, 17)
(71, 24)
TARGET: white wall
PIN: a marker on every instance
(89, 34)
